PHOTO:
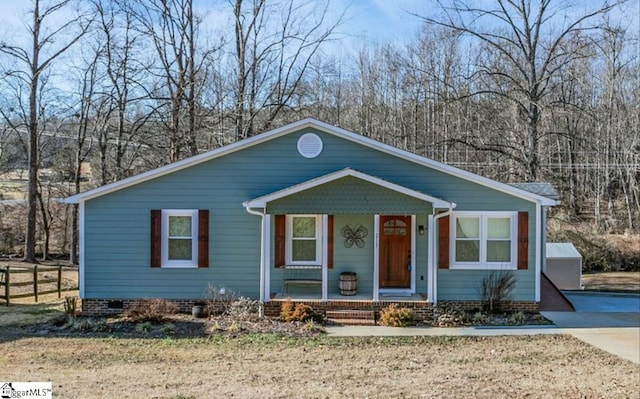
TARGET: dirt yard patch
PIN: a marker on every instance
(613, 281)
(281, 367)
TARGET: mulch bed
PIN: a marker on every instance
(176, 326)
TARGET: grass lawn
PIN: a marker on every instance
(612, 281)
(270, 366)
(276, 366)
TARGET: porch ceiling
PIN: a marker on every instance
(348, 191)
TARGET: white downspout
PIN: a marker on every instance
(434, 267)
(262, 262)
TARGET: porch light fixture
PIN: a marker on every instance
(421, 230)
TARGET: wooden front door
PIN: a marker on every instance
(395, 251)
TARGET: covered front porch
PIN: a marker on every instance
(379, 234)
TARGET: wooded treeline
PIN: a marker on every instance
(520, 90)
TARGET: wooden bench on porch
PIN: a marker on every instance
(301, 275)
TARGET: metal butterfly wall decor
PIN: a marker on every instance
(354, 235)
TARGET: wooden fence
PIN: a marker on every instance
(36, 282)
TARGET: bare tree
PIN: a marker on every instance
(526, 38)
(275, 43)
(55, 42)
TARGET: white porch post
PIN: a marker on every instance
(80, 248)
(538, 260)
(431, 272)
(266, 258)
(376, 258)
(414, 265)
(325, 257)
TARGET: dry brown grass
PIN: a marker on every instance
(267, 366)
(613, 281)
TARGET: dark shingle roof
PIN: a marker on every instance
(544, 189)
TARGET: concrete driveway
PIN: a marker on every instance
(608, 321)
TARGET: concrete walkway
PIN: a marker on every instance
(609, 322)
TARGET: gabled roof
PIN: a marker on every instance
(544, 189)
(323, 127)
(262, 201)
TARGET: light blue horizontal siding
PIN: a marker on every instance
(349, 195)
(117, 224)
(464, 285)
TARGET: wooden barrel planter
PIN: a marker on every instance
(348, 283)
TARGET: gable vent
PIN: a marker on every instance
(309, 145)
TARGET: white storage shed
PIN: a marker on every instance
(564, 265)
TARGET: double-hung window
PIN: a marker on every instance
(484, 240)
(180, 238)
(304, 240)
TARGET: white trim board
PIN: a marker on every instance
(323, 127)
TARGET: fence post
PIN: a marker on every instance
(35, 282)
(7, 291)
(59, 280)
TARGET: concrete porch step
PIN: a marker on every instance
(352, 317)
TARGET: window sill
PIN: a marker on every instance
(483, 266)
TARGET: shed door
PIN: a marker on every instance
(395, 251)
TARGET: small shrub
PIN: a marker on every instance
(81, 325)
(234, 327)
(70, 305)
(313, 327)
(219, 299)
(243, 308)
(300, 312)
(151, 310)
(496, 288)
(516, 319)
(168, 328)
(392, 316)
(448, 314)
(480, 318)
(144, 327)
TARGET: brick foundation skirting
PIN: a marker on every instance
(109, 307)
(422, 310)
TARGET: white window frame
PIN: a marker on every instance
(166, 262)
(482, 264)
(289, 241)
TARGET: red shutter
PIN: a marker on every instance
(330, 241)
(280, 227)
(203, 238)
(156, 237)
(443, 242)
(523, 240)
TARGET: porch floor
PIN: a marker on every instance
(344, 298)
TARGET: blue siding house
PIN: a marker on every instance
(310, 212)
